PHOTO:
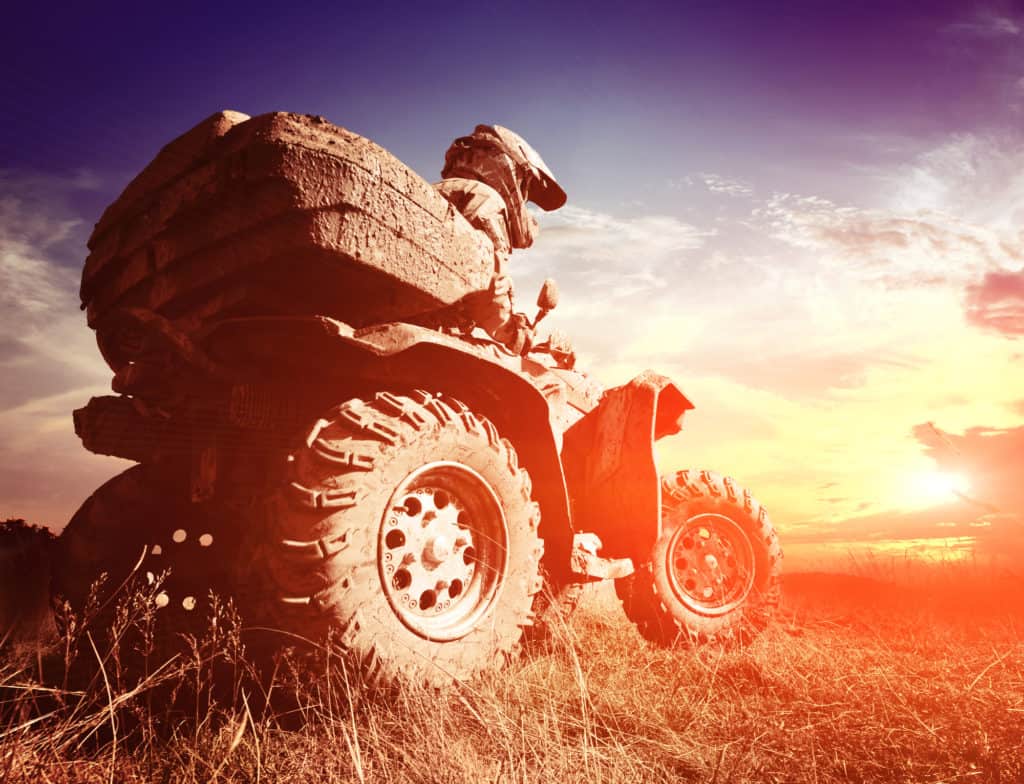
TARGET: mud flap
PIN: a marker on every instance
(609, 464)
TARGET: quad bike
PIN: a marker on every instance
(422, 495)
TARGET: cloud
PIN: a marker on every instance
(616, 273)
(997, 303)
(587, 236)
(652, 292)
(986, 42)
(657, 291)
(718, 184)
(44, 344)
(896, 250)
(975, 177)
(980, 179)
(808, 373)
(949, 219)
(47, 474)
(48, 357)
(992, 459)
(713, 183)
(892, 525)
(986, 23)
(32, 287)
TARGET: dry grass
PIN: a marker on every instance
(860, 680)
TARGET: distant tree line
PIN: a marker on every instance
(16, 529)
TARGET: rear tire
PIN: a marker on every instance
(714, 570)
(408, 533)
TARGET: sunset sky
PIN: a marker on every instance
(811, 215)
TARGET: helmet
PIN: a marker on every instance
(542, 188)
(503, 160)
(532, 177)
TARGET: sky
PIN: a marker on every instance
(809, 214)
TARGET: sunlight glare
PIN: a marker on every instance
(935, 487)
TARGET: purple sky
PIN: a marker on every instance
(615, 93)
(809, 213)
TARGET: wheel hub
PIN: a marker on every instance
(711, 564)
(443, 550)
(437, 550)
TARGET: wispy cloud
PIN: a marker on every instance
(48, 357)
(41, 327)
(986, 22)
(715, 183)
(821, 276)
(948, 219)
(32, 286)
(975, 177)
(618, 274)
(978, 181)
(951, 519)
(617, 258)
(985, 39)
(718, 184)
(926, 247)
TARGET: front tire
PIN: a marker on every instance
(410, 534)
(714, 570)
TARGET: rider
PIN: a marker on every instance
(489, 176)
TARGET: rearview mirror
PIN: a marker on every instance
(547, 300)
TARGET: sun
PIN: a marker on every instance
(926, 488)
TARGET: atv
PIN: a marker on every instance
(309, 448)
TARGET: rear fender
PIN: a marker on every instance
(610, 470)
(329, 361)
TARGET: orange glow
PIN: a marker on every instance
(929, 488)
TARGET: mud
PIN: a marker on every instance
(280, 214)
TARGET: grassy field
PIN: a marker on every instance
(861, 679)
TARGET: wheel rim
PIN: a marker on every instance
(711, 564)
(443, 550)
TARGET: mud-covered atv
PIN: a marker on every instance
(425, 497)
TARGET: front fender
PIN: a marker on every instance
(608, 458)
